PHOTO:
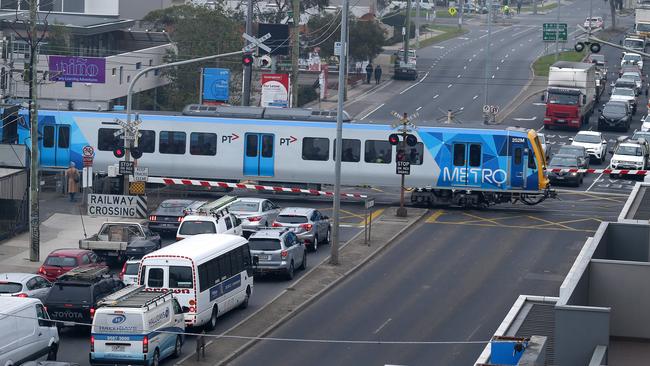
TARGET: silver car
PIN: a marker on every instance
(310, 225)
(277, 251)
(24, 285)
(254, 213)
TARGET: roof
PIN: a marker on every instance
(82, 24)
(592, 133)
(10, 304)
(199, 246)
(69, 252)
(270, 233)
(251, 199)
(205, 217)
(296, 211)
(16, 276)
(572, 65)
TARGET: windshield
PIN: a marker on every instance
(643, 27)
(563, 161)
(131, 269)
(571, 150)
(641, 135)
(243, 206)
(565, 99)
(264, 244)
(634, 58)
(10, 287)
(633, 43)
(631, 75)
(61, 261)
(291, 219)
(590, 139)
(197, 227)
(175, 204)
(614, 109)
(629, 150)
(69, 293)
(623, 91)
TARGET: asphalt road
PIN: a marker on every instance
(452, 278)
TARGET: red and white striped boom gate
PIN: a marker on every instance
(600, 171)
(255, 187)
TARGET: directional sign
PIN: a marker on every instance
(126, 168)
(550, 31)
(256, 42)
(403, 167)
(369, 203)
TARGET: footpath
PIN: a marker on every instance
(223, 348)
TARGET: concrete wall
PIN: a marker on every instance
(623, 241)
(578, 331)
(624, 287)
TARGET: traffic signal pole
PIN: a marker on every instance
(248, 69)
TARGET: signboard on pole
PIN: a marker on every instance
(275, 90)
(216, 85)
(126, 168)
(117, 205)
(87, 176)
(403, 167)
(337, 48)
(550, 31)
(77, 69)
(140, 174)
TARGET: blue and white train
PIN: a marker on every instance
(457, 166)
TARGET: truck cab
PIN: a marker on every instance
(571, 94)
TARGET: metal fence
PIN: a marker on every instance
(14, 193)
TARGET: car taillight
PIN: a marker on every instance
(307, 227)
(92, 312)
(153, 218)
(276, 224)
(177, 238)
(284, 254)
(92, 343)
(254, 218)
(41, 270)
(145, 344)
(21, 295)
(123, 271)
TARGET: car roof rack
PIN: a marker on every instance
(84, 273)
(135, 296)
(216, 208)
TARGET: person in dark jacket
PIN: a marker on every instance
(368, 73)
(378, 74)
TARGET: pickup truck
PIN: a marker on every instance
(121, 240)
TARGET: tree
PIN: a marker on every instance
(196, 31)
(366, 36)
(284, 6)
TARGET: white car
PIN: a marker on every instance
(129, 274)
(254, 213)
(594, 22)
(593, 142)
(629, 155)
(218, 223)
(630, 58)
(645, 124)
(24, 285)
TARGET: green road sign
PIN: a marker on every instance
(549, 32)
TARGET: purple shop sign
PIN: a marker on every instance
(77, 69)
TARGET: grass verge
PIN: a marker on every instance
(448, 32)
(540, 8)
(542, 64)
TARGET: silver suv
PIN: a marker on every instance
(277, 251)
(309, 224)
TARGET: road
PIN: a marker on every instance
(452, 278)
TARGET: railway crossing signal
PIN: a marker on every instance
(136, 153)
(404, 128)
(247, 59)
(119, 152)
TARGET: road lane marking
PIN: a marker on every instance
(414, 85)
(435, 96)
(474, 55)
(502, 60)
(373, 111)
(418, 108)
(476, 96)
(464, 67)
(449, 86)
(492, 76)
(507, 55)
(383, 325)
(526, 119)
(372, 216)
(435, 216)
(497, 68)
(458, 76)
(470, 60)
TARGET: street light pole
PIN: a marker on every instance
(34, 181)
(248, 69)
(487, 60)
(557, 32)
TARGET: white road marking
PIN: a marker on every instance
(506, 55)
(464, 67)
(538, 103)
(383, 325)
(458, 76)
(483, 36)
(512, 50)
(522, 32)
(449, 86)
(418, 108)
(435, 96)
(502, 61)
(526, 119)
(439, 47)
(492, 76)
(470, 60)
(373, 111)
(474, 55)
(497, 68)
(541, 128)
(476, 96)
(414, 85)
(595, 181)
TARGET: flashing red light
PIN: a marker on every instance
(284, 254)
(119, 152)
(247, 60)
(393, 139)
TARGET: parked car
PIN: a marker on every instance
(645, 123)
(74, 297)
(594, 142)
(61, 261)
(579, 152)
(26, 332)
(277, 251)
(626, 95)
(129, 273)
(594, 22)
(310, 225)
(615, 114)
(254, 213)
(630, 58)
(169, 214)
(24, 285)
(565, 162)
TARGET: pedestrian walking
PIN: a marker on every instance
(368, 73)
(518, 7)
(72, 175)
(378, 74)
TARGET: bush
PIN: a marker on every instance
(306, 94)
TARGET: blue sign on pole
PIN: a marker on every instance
(216, 84)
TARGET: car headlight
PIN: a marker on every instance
(574, 174)
(614, 162)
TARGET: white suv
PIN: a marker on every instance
(220, 223)
(593, 142)
(630, 155)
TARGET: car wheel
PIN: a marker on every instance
(290, 272)
(303, 265)
(213, 319)
(155, 361)
(314, 245)
(51, 354)
(244, 303)
(177, 347)
(328, 238)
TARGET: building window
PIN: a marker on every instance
(156, 72)
(172, 142)
(138, 65)
(49, 5)
(113, 71)
(147, 141)
(9, 4)
(203, 143)
(351, 151)
(150, 62)
(24, 5)
(128, 79)
(315, 148)
(74, 6)
(378, 152)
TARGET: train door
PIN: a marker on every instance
(518, 162)
(467, 164)
(55, 145)
(259, 154)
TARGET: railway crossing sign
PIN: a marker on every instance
(494, 109)
(403, 167)
(140, 174)
(126, 167)
(256, 42)
(550, 31)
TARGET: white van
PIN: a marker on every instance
(210, 218)
(125, 328)
(26, 333)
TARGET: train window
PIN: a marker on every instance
(202, 143)
(351, 151)
(267, 146)
(415, 153)
(172, 142)
(251, 145)
(64, 137)
(518, 156)
(106, 139)
(315, 148)
(378, 151)
(531, 160)
(147, 141)
(48, 136)
(459, 154)
(474, 155)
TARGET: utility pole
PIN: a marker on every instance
(34, 184)
(295, 53)
(334, 255)
(248, 69)
(417, 24)
(460, 15)
(408, 32)
(557, 32)
(487, 61)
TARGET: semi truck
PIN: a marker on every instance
(571, 94)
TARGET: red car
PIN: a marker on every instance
(61, 261)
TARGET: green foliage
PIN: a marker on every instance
(284, 6)
(366, 36)
(542, 64)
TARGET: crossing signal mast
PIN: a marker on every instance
(405, 127)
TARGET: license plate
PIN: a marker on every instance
(559, 177)
(167, 225)
(561, 121)
(112, 254)
(269, 257)
(68, 324)
(117, 348)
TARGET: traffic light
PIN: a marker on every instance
(393, 139)
(411, 140)
(136, 153)
(247, 60)
(119, 152)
